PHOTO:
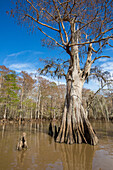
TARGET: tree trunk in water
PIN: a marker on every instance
(5, 113)
(75, 127)
(31, 113)
(42, 112)
(37, 111)
(39, 104)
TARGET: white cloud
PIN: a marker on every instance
(93, 85)
(29, 68)
(22, 56)
(26, 60)
(103, 59)
(109, 49)
(108, 66)
(18, 53)
(19, 66)
(23, 52)
(57, 81)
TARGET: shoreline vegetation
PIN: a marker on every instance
(24, 98)
(25, 120)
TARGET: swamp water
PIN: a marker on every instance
(44, 154)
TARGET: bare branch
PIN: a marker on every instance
(64, 7)
(98, 75)
(90, 42)
(52, 16)
(41, 23)
(51, 38)
(63, 27)
(72, 7)
(96, 58)
(61, 36)
(109, 44)
(88, 22)
(32, 6)
(102, 33)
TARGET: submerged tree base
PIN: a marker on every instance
(22, 143)
(79, 133)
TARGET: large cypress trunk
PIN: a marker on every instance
(75, 127)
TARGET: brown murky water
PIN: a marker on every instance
(44, 154)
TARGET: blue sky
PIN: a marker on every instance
(21, 50)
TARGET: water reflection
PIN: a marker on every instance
(43, 153)
(77, 156)
(3, 129)
(21, 156)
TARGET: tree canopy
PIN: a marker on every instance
(93, 19)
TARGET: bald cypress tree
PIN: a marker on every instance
(81, 28)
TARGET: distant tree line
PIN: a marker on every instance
(22, 96)
(28, 96)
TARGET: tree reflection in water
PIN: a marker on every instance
(77, 156)
(3, 129)
(21, 156)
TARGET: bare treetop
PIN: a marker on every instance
(93, 20)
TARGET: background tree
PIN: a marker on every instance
(3, 71)
(22, 96)
(9, 92)
(49, 105)
(26, 83)
(52, 98)
(82, 28)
